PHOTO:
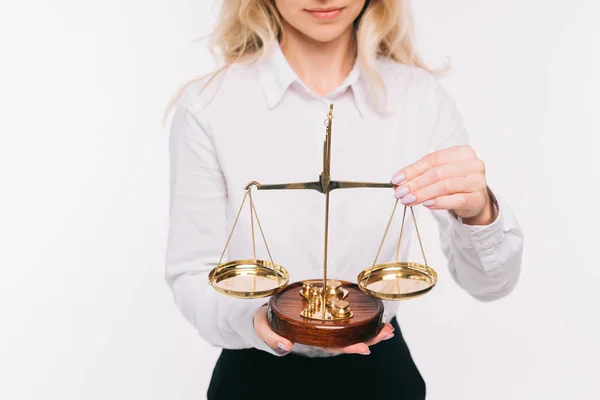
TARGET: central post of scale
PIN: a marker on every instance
(325, 181)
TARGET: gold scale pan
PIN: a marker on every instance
(322, 312)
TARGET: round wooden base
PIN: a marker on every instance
(285, 320)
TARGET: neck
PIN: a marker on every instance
(322, 66)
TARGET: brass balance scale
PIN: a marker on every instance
(323, 312)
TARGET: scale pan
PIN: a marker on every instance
(397, 280)
(248, 279)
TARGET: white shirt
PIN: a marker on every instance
(257, 121)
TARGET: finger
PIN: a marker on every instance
(458, 201)
(264, 331)
(357, 348)
(440, 157)
(386, 333)
(446, 187)
(439, 173)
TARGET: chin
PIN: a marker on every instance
(324, 34)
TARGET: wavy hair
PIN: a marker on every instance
(246, 29)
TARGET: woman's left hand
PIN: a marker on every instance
(448, 179)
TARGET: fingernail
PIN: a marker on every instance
(428, 203)
(411, 198)
(401, 192)
(282, 346)
(398, 178)
(388, 337)
(393, 329)
(366, 353)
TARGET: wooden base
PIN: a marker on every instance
(285, 320)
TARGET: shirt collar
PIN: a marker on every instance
(276, 76)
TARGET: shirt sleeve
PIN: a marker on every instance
(197, 234)
(484, 260)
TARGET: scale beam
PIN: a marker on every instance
(287, 186)
(318, 186)
(350, 185)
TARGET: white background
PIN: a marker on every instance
(84, 310)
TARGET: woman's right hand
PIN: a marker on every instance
(281, 344)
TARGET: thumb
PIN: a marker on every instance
(264, 331)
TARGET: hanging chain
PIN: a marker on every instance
(387, 228)
(252, 224)
(237, 217)
(418, 236)
(401, 231)
(253, 241)
(253, 214)
(263, 234)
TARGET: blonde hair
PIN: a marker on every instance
(246, 29)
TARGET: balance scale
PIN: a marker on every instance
(322, 312)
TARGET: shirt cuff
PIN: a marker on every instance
(485, 239)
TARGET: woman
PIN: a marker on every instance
(261, 118)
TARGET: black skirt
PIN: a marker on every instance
(389, 372)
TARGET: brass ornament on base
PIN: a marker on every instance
(287, 317)
(323, 312)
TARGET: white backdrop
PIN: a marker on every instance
(84, 311)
